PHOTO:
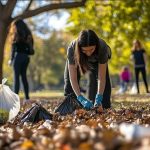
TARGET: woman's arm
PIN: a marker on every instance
(101, 78)
(75, 86)
(73, 79)
(12, 54)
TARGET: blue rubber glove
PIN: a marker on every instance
(84, 102)
(98, 100)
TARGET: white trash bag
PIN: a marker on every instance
(9, 103)
(134, 131)
(121, 90)
(133, 89)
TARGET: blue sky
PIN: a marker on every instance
(58, 23)
(48, 20)
(51, 19)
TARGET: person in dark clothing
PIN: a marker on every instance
(139, 57)
(88, 54)
(22, 44)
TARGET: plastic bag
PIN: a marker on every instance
(134, 131)
(68, 106)
(9, 103)
(35, 114)
(133, 89)
(121, 90)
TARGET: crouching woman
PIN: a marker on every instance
(88, 54)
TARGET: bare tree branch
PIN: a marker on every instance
(28, 6)
(9, 7)
(1, 3)
(49, 7)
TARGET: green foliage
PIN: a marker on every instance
(46, 66)
(8, 70)
(48, 62)
(119, 23)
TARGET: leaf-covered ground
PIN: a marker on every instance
(83, 130)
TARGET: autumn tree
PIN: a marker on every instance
(119, 23)
(28, 10)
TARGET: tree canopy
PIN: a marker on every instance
(26, 9)
(119, 23)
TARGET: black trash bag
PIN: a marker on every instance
(68, 106)
(35, 114)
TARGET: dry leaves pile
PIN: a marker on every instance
(83, 130)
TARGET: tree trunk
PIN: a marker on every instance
(3, 36)
(5, 19)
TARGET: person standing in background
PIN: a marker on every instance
(139, 58)
(22, 47)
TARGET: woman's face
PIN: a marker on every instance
(136, 44)
(88, 50)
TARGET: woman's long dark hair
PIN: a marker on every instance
(86, 38)
(21, 32)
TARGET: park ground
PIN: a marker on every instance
(116, 99)
(82, 130)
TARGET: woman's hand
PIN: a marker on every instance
(98, 100)
(87, 104)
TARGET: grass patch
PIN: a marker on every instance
(44, 94)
